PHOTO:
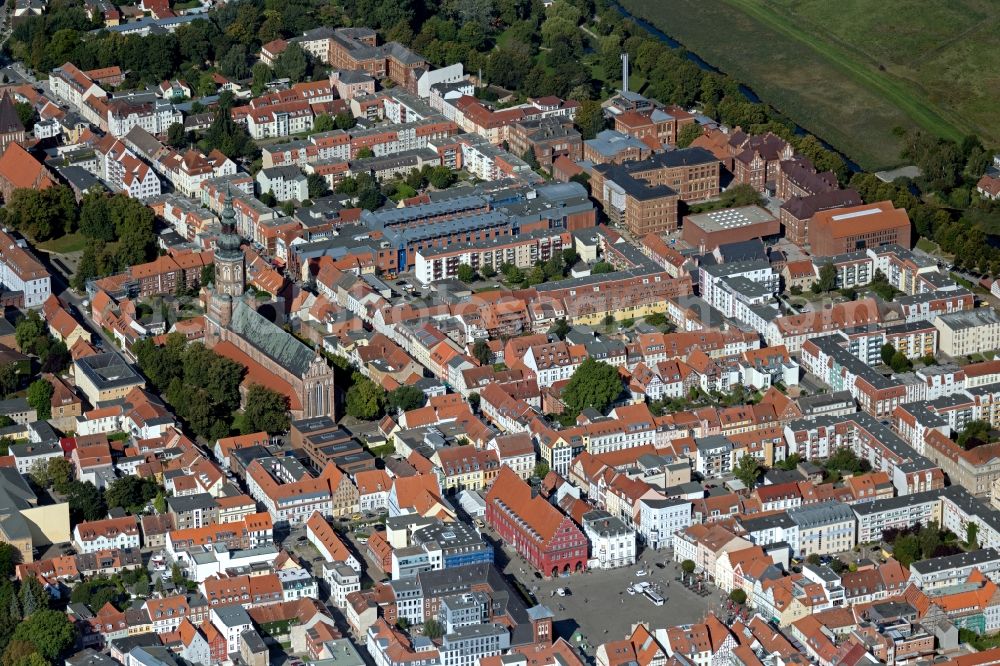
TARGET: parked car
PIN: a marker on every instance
(640, 572)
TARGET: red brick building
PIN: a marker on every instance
(544, 536)
(796, 212)
(658, 127)
(798, 178)
(729, 225)
(643, 196)
(547, 138)
(842, 230)
(756, 158)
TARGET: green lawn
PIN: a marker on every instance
(70, 243)
(852, 71)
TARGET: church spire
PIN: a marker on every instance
(228, 243)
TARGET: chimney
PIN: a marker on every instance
(624, 72)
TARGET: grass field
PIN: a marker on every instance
(852, 71)
(65, 245)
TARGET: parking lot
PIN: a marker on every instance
(598, 606)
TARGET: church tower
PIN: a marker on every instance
(230, 268)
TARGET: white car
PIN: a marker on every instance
(640, 573)
(561, 591)
(630, 589)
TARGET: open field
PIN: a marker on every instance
(852, 71)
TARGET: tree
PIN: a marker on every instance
(972, 535)
(741, 195)
(28, 331)
(59, 472)
(260, 75)
(40, 398)
(738, 597)
(364, 153)
(26, 114)
(560, 328)
(899, 362)
(529, 158)
(265, 410)
(142, 586)
(131, 493)
(406, 398)
(176, 574)
(594, 384)
(10, 557)
(974, 433)
(324, 123)
(293, 63)
(887, 352)
(688, 134)
(433, 629)
(481, 352)
(19, 652)
(827, 277)
(8, 379)
(746, 470)
(602, 267)
(344, 121)
(488, 271)
(160, 503)
(441, 177)
(34, 598)
(589, 118)
(42, 214)
(541, 469)
(906, 549)
(688, 567)
(85, 501)
(814, 559)
(97, 592)
(234, 63)
(317, 186)
(365, 399)
(176, 136)
(465, 273)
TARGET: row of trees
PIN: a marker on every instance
(228, 36)
(554, 268)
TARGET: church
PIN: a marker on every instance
(273, 357)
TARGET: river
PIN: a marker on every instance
(746, 90)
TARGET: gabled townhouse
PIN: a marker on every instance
(373, 489)
(515, 451)
(167, 613)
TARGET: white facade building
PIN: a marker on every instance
(612, 543)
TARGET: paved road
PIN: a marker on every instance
(60, 287)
